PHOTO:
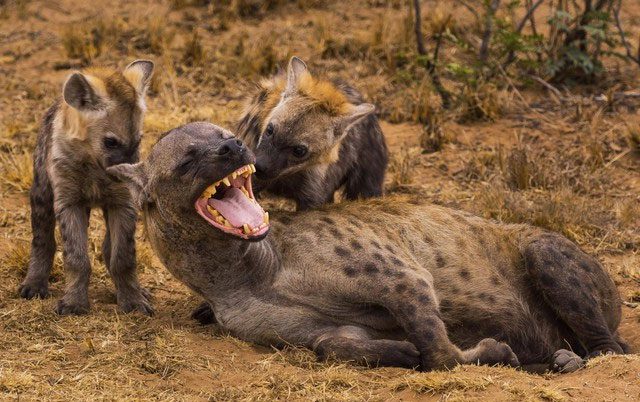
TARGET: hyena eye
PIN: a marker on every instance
(269, 130)
(300, 151)
(111, 143)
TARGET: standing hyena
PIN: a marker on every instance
(378, 281)
(313, 137)
(96, 125)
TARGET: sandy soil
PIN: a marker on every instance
(108, 355)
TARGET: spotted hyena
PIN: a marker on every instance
(312, 137)
(382, 281)
(95, 125)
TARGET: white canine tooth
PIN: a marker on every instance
(266, 217)
(226, 181)
(253, 168)
(247, 228)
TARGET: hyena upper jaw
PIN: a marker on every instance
(97, 124)
(382, 281)
(312, 137)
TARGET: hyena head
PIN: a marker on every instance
(197, 178)
(306, 125)
(102, 112)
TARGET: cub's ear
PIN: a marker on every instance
(135, 176)
(296, 69)
(353, 115)
(139, 74)
(82, 93)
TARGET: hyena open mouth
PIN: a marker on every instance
(230, 206)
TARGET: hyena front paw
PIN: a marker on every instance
(565, 361)
(75, 307)
(204, 314)
(491, 352)
(139, 302)
(30, 290)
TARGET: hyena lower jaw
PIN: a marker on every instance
(230, 206)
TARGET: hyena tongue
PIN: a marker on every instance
(238, 209)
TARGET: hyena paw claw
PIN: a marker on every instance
(69, 308)
(140, 305)
(204, 314)
(33, 290)
(491, 352)
(565, 361)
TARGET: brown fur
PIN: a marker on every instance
(344, 145)
(388, 281)
(97, 124)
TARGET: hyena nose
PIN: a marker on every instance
(232, 145)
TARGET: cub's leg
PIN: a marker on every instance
(204, 314)
(364, 183)
(43, 244)
(580, 292)
(354, 344)
(74, 221)
(121, 223)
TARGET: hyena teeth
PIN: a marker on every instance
(245, 192)
(234, 175)
(212, 211)
(246, 228)
(252, 167)
(210, 191)
(246, 173)
(226, 181)
(266, 217)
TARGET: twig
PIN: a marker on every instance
(550, 87)
(623, 39)
(528, 16)
(430, 65)
(488, 30)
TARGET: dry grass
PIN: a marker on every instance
(571, 168)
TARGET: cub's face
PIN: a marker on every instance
(104, 109)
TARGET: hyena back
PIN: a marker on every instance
(312, 137)
(96, 125)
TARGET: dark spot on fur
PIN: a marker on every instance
(461, 243)
(411, 309)
(464, 274)
(397, 261)
(495, 280)
(328, 220)
(350, 271)
(376, 244)
(585, 265)
(440, 262)
(455, 290)
(356, 245)
(546, 279)
(336, 233)
(284, 219)
(424, 298)
(388, 247)
(378, 257)
(388, 272)
(423, 283)
(401, 287)
(342, 252)
(445, 305)
(428, 239)
(371, 268)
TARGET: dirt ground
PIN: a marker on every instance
(557, 158)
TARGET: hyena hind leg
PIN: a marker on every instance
(43, 243)
(578, 290)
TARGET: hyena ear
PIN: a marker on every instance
(136, 177)
(352, 116)
(295, 70)
(81, 94)
(139, 73)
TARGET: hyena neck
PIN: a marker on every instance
(210, 263)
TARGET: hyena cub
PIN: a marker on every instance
(312, 137)
(97, 124)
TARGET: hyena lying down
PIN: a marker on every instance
(377, 282)
(313, 137)
(97, 124)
